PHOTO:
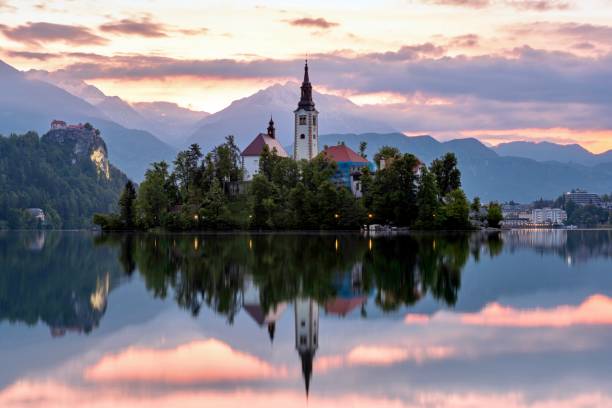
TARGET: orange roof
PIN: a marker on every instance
(262, 139)
(343, 306)
(343, 153)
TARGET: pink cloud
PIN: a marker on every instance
(198, 361)
(595, 310)
(382, 355)
(43, 32)
(54, 394)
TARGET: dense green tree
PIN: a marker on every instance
(153, 201)
(40, 172)
(475, 205)
(447, 174)
(362, 149)
(427, 200)
(386, 153)
(393, 192)
(127, 206)
(494, 215)
(455, 210)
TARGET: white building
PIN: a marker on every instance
(306, 335)
(250, 155)
(548, 216)
(306, 123)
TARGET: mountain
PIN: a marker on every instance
(175, 123)
(487, 174)
(29, 104)
(546, 151)
(66, 173)
(167, 121)
(247, 117)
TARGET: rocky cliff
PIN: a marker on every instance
(85, 143)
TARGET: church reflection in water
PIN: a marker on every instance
(266, 275)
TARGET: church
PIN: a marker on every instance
(305, 144)
(305, 134)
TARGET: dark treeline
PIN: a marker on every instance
(40, 173)
(207, 192)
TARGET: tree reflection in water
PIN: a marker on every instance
(214, 270)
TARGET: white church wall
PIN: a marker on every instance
(251, 166)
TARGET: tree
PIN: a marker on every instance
(153, 201)
(126, 205)
(392, 193)
(475, 206)
(427, 200)
(388, 154)
(447, 174)
(494, 215)
(456, 210)
(362, 149)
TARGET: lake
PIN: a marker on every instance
(513, 319)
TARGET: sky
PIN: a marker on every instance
(498, 70)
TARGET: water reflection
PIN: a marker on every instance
(437, 311)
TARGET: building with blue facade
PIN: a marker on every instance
(350, 167)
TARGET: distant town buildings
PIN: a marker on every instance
(524, 216)
(581, 197)
(552, 216)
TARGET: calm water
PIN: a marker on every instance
(506, 319)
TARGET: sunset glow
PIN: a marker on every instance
(529, 71)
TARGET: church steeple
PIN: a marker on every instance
(271, 130)
(306, 101)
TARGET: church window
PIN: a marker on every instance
(303, 323)
(302, 119)
(314, 121)
(314, 339)
(302, 340)
(302, 136)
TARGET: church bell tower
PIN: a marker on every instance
(306, 123)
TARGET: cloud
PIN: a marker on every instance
(462, 3)
(194, 362)
(312, 23)
(39, 33)
(563, 31)
(524, 5)
(596, 310)
(465, 41)
(53, 393)
(144, 27)
(32, 55)
(539, 5)
(382, 355)
(6, 6)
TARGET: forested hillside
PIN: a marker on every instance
(65, 173)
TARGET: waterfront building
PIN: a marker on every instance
(553, 216)
(250, 155)
(306, 133)
(350, 167)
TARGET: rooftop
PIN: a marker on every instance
(257, 145)
(343, 153)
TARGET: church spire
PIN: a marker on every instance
(271, 130)
(306, 101)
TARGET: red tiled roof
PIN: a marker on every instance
(256, 146)
(343, 306)
(343, 153)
